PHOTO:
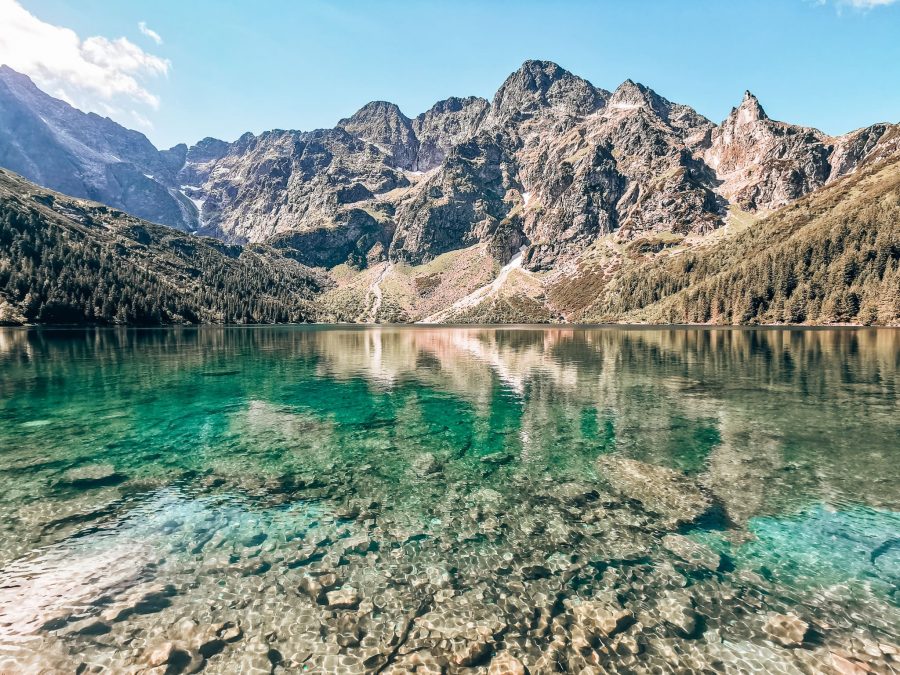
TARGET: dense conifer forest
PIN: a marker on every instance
(832, 257)
(67, 261)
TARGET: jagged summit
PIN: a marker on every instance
(445, 124)
(540, 85)
(630, 95)
(749, 110)
(374, 109)
(384, 124)
(453, 104)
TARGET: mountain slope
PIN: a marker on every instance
(832, 257)
(551, 163)
(85, 155)
(562, 200)
(67, 261)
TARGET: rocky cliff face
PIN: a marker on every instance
(447, 124)
(286, 180)
(382, 124)
(764, 164)
(551, 164)
(85, 155)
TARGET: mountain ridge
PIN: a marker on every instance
(549, 171)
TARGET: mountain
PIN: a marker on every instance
(550, 163)
(831, 257)
(85, 155)
(65, 260)
(518, 208)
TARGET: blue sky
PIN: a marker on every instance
(221, 68)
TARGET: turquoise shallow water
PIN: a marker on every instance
(161, 487)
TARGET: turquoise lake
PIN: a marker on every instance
(473, 500)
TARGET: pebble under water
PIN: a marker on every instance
(449, 500)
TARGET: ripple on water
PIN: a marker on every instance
(457, 500)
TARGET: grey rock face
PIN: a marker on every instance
(552, 163)
(286, 180)
(541, 85)
(382, 124)
(463, 203)
(446, 124)
(85, 155)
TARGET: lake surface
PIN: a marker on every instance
(341, 500)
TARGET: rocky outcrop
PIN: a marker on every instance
(84, 155)
(764, 164)
(446, 124)
(552, 163)
(356, 234)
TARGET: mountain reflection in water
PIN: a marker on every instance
(153, 477)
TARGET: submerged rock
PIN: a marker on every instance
(505, 663)
(674, 497)
(344, 598)
(426, 465)
(677, 610)
(93, 475)
(161, 654)
(595, 619)
(787, 630)
(692, 552)
(470, 652)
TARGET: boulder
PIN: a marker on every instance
(93, 475)
(344, 598)
(677, 610)
(598, 618)
(425, 465)
(692, 552)
(787, 630)
(505, 663)
(470, 652)
(669, 494)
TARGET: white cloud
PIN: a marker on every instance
(140, 121)
(149, 32)
(858, 4)
(103, 75)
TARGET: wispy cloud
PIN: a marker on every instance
(857, 4)
(868, 4)
(149, 32)
(99, 74)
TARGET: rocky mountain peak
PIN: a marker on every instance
(383, 124)
(631, 95)
(206, 150)
(748, 111)
(11, 76)
(451, 105)
(541, 85)
(445, 124)
(376, 111)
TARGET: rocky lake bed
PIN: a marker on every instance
(449, 501)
